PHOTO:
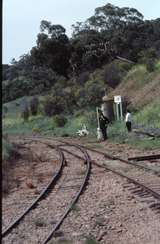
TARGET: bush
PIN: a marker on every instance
(148, 57)
(5, 109)
(94, 92)
(36, 130)
(34, 105)
(80, 96)
(60, 120)
(113, 74)
(25, 113)
(150, 65)
(53, 105)
(6, 149)
(82, 78)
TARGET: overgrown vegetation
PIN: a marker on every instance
(149, 116)
(6, 149)
(55, 88)
(68, 62)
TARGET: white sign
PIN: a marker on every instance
(117, 99)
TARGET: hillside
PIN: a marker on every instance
(55, 88)
(139, 86)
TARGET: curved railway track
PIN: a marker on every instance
(40, 197)
(114, 164)
(49, 187)
(106, 155)
(143, 187)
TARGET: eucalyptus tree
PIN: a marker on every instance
(53, 48)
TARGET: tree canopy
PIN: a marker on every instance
(110, 32)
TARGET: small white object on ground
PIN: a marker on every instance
(83, 131)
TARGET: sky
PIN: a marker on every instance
(21, 19)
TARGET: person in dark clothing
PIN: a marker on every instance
(128, 120)
(103, 121)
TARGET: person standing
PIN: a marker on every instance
(128, 120)
(103, 121)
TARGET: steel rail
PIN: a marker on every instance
(157, 173)
(146, 157)
(122, 160)
(50, 185)
(155, 194)
(84, 183)
(111, 157)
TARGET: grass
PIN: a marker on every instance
(75, 208)
(118, 134)
(140, 76)
(61, 241)
(149, 115)
(90, 240)
(14, 124)
(6, 149)
(40, 222)
(145, 143)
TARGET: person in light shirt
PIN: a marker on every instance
(128, 120)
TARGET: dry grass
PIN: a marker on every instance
(140, 88)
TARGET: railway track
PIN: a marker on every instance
(136, 180)
(143, 187)
(49, 188)
(146, 185)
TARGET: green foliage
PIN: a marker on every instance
(114, 72)
(80, 97)
(90, 240)
(25, 113)
(5, 109)
(139, 75)
(112, 31)
(144, 143)
(148, 57)
(40, 222)
(6, 149)
(60, 120)
(94, 92)
(53, 105)
(149, 115)
(147, 54)
(82, 78)
(34, 105)
(150, 65)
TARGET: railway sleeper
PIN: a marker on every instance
(155, 205)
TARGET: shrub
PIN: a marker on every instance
(148, 57)
(34, 105)
(83, 77)
(60, 120)
(94, 92)
(5, 109)
(6, 149)
(150, 65)
(36, 130)
(53, 105)
(25, 113)
(80, 96)
(113, 74)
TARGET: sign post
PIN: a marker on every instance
(118, 102)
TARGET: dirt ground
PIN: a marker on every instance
(107, 212)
